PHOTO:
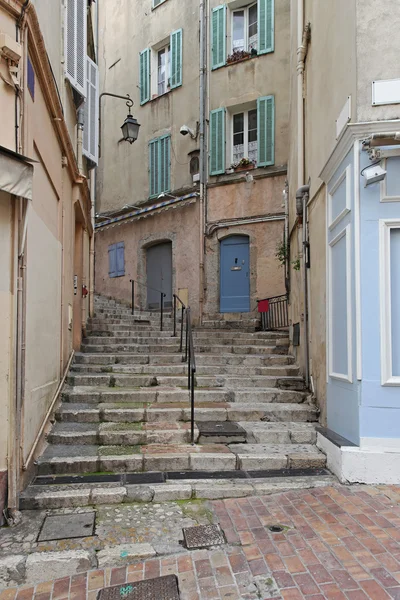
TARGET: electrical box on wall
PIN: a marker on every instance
(9, 48)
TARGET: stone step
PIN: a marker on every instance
(177, 412)
(75, 459)
(58, 495)
(280, 379)
(132, 338)
(259, 432)
(164, 395)
(102, 326)
(176, 359)
(123, 434)
(182, 369)
(112, 348)
(252, 457)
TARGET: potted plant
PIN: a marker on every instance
(243, 165)
(238, 56)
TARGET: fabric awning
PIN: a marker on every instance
(16, 173)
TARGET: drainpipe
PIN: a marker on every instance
(203, 149)
(91, 244)
(303, 37)
(302, 197)
(79, 143)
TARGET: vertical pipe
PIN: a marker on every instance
(203, 151)
(91, 243)
(305, 290)
(192, 407)
(162, 311)
(174, 309)
(300, 107)
(133, 296)
(187, 335)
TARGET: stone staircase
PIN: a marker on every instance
(123, 426)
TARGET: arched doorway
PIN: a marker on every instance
(159, 275)
(235, 274)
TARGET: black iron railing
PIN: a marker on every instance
(189, 353)
(274, 312)
(162, 296)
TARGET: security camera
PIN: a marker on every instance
(373, 174)
(185, 130)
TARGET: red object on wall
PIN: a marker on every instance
(263, 306)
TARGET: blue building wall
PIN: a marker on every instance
(379, 405)
(343, 389)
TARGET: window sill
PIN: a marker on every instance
(241, 60)
(240, 176)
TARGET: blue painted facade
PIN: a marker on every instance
(362, 407)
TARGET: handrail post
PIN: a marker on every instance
(183, 316)
(133, 296)
(192, 407)
(187, 336)
(162, 310)
(174, 333)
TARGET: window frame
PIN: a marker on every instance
(154, 6)
(167, 81)
(245, 113)
(246, 10)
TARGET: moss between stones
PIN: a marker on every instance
(118, 450)
(123, 427)
(196, 508)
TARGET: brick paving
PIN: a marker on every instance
(338, 543)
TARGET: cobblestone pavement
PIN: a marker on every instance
(337, 543)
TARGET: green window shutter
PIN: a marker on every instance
(217, 141)
(160, 165)
(153, 167)
(218, 37)
(266, 18)
(145, 76)
(266, 131)
(176, 58)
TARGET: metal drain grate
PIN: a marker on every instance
(203, 536)
(66, 527)
(160, 588)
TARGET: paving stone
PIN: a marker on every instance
(211, 490)
(107, 495)
(167, 492)
(139, 493)
(44, 566)
(12, 570)
(212, 462)
(124, 554)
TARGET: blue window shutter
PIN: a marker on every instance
(266, 18)
(120, 259)
(160, 165)
(266, 131)
(176, 58)
(153, 167)
(217, 141)
(112, 260)
(145, 75)
(31, 79)
(218, 37)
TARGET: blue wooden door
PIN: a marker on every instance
(235, 274)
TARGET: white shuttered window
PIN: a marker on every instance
(75, 44)
(91, 128)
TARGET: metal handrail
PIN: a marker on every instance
(162, 296)
(275, 315)
(189, 355)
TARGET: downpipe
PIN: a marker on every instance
(302, 196)
(203, 153)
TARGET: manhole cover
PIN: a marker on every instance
(161, 588)
(275, 528)
(203, 536)
(64, 527)
(220, 428)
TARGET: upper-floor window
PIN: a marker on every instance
(245, 29)
(157, 2)
(161, 67)
(163, 70)
(244, 136)
(116, 260)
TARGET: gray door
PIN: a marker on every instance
(159, 275)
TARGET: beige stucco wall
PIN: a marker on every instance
(179, 226)
(239, 85)
(126, 180)
(378, 23)
(7, 129)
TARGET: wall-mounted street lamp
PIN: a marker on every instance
(130, 127)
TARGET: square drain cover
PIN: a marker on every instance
(160, 588)
(64, 527)
(203, 536)
(220, 428)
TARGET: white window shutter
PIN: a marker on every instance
(75, 44)
(91, 127)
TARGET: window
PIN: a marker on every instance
(157, 3)
(163, 70)
(116, 260)
(251, 28)
(159, 165)
(161, 67)
(251, 134)
(31, 79)
(244, 142)
(245, 29)
(90, 147)
(75, 44)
